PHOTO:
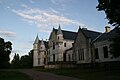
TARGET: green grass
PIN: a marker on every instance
(87, 74)
(13, 75)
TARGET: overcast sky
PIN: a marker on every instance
(22, 20)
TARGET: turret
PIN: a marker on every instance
(42, 46)
(36, 51)
(59, 35)
(36, 43)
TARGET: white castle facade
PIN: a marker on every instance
(82, 47)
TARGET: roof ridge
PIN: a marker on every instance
(97, 37)
(66, 31)
(92, 31)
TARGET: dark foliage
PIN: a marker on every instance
(5, 50)
(111, 9)
(115, 46)
(15, 62)
(25, 61)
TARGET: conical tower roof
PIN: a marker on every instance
(36, 40)
(59, 30)
(42, 42)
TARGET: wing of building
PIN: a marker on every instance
(82, 47)
(102, 46)
(40, 52)
(59, 41)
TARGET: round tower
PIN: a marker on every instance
(59, 36)
(43, 53)
(36, 46)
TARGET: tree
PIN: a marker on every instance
(31, 58)
(5, 50)
(115, 46)
(111, 9)
(26, 61)
(15, 62)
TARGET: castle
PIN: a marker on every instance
(82, 47)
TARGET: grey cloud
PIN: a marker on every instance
(7, 33)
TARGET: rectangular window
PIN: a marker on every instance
(53, 45)
(48, 59)
(44, 60)
(96, 54)
(105, 50)
(82, 54)
(69, 57)
(79, 55)
(72, 57)
(38, 60)
(64, 44)
(53, 57)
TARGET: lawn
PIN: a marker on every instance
(87, 74)
(13, 75)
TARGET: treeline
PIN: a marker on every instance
(25, 61)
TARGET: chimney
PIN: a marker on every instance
(107, 29)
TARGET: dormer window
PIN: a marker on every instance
(72, 44)
(53, 45)
(64, 44)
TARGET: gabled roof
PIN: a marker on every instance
(109, 35)
(67, 34)
(42, 42)
(90, 34)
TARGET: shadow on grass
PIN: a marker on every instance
(13, 75)
(87, 74)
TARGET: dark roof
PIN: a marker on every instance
(90, 34)
(45, 42)
(36, 40)
(109, 35)
(67, 34)
(59, 30)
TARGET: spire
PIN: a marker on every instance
(36, 40)
(80, 27)
(42, 42)
(59, 30)
(53, 28)
(42, 45)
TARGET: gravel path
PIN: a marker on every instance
(45, 76)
